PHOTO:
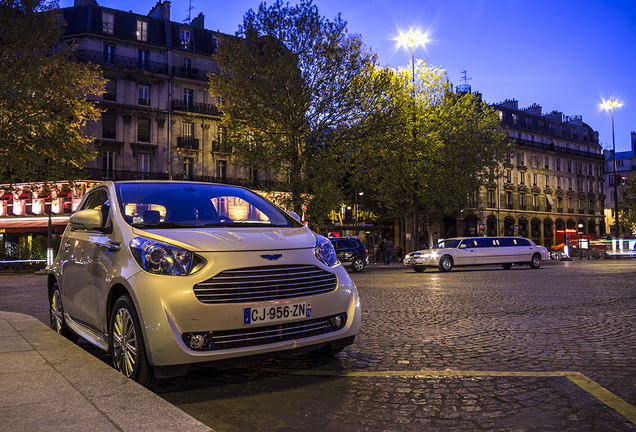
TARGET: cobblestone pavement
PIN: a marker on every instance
(478, 349)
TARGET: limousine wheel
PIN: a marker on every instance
(536, 261)
(445, 263)
(419, 269)
(507, 266)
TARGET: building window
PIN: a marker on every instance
(143, 60)
(143, 163)
(508, 176)
(515, 119)
(569, 166)
(491, 198)
(534, 179)
(570, 184)
(547, 181)
(109, 126)
(187, 97)
(581, 206)
(558, 164)
(508, 158)
(109, 54)
(535, 202)
(187, 63)
(522, 201)
(547, 162)
(221, 169)
(611, 180)
(143, 129)
(592, 209)
(108, 23)
(521, 159)
(522, 177)
(509, 200)
(108, 163)
(142, 31)
(188, 168)
(144, 94)
(186, 39)
(110, 90)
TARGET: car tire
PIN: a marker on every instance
(536, 261)
(127, 348)
(445, 263)
(419, 269)
(56, 315)
(507, 266)
(357, 265)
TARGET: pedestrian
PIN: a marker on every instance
(399, 254)
(388, 251)
(381, 250)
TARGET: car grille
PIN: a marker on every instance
(265, 283)
(269, 334)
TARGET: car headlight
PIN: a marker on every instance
(161, 258)
(325, 252)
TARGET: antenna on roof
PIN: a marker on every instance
(464, 88)
(189, 18)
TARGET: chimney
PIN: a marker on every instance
(161, 11)
(633, 142)
(85, 3)
(198, 21)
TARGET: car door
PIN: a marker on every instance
(86, 264)
(485, 252)
(465, 253)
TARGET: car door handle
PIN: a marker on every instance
(110, 246)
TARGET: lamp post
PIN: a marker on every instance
(581, 226)
(411, 40)
(610, 105)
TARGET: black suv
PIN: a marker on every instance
(351, 252)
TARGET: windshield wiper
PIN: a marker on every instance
(162, 225)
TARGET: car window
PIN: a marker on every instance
(351, 244)
(507, 242)
(447, 244)
(467, 243)
(522, 242)
(337, 245)
(484, 242)
(190, 204)
(98, 200)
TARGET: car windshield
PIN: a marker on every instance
(447, 244)
(182, 205)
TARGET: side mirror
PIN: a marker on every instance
(87, 219)
(294, 215)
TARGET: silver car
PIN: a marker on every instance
(164, 275)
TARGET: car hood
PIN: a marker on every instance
(232, 239)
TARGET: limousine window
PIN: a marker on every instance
(447, 244)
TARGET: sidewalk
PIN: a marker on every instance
(48, 383)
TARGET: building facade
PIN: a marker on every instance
(159, 121)
(550, 186)
(625, 167)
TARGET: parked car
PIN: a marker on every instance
(456, 252)
(163, 275)
(351, 252)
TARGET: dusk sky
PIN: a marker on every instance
(567, 56)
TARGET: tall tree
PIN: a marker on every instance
(289, 83)
(44, 95)
(627, 205)
(428, 147)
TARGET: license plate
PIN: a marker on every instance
(411, 262)
(268, 314)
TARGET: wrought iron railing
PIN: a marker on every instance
(107, 59)
(557, 149)
(194, 107)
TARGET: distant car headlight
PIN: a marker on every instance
(161, 258)
(325, 252)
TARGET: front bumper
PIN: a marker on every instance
(169, 309)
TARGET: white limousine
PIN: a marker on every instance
(471, 251)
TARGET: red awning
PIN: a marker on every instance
(25, 195)
(63, 193)
(7, 196)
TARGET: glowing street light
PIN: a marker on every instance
(610, 104)
(411, 40)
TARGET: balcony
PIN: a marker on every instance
(188, 143)
(193, 107)
(117, 61)
(552, 147)
(190, 73)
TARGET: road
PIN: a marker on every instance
(473, 349)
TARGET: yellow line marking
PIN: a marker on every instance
(595, 390)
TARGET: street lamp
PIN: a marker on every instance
(581, 226)
(411, 40)
(610, 104)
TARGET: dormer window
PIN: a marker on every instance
(108, 23)
(186, 39)
(142, 30)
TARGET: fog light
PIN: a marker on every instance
(198, 341)
(337, 322)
